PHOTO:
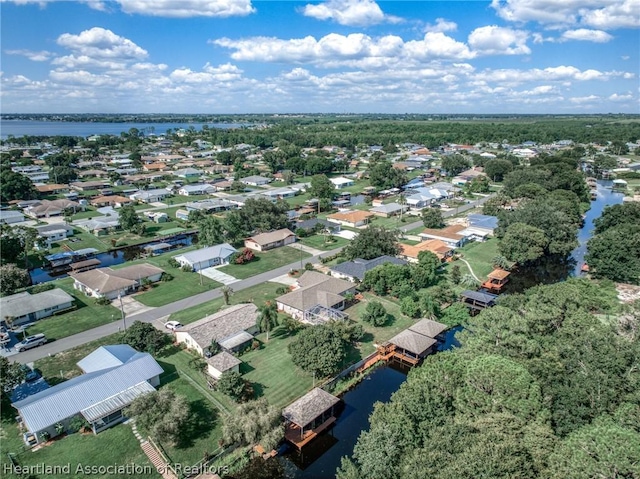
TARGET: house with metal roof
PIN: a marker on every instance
(193, 190)
(150, 196)
(114, 376)
(206, 257)
(9, 216)
(255, 180)
(232, 328)
(26, 307)
(355, 270)
(111, 283)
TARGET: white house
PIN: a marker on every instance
(8, 217)
(255, 180)
(54, 232)
(341, 182)
(221, 363)
(206, 257)
(150, 196)
(25, 307)
(191, 190)
(111, 283)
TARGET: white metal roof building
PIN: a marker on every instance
(207, 257)
(115, 376)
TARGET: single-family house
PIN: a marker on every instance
(26, 307)
(341, 182)
(232, 328)
(271, 240)
(201, 189)
(52, 189)
(90, 185)
(437, 247)
(221, 363)
(114, 376)
(111, 283)
(284, 192)
(150, 196)
(188, 173)
(8, 217)
(155, 167)
(112, 200)
(316, 298)
(37, 176)
(52, 233)
(47, 208)
(213, 205)
(100, 225)
(355, 270)
(255, 180)
(389, 209)
(451, 235)
(354, 219)
(206, 257)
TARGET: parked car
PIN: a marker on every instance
(172, 325)
(31, 342)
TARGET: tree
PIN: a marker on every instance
(13, 278)
(163, 413)
(383, 175)
(455, 164)
(129, 219)
(11, 374)
(455, 315)
(372, 242)
(62, 174)
(497, 168)
(432, 218)
(616, 215)
(615, 254)
(231, 384)
(410, 306)
(14, 186)
(145, 337)
(227, 292)
(375, 314)
(523, 243)
(267, 317)
(319, 350)
(254, 422)
(210, 231)
(321, 187)
(454, 274)
(468, 281)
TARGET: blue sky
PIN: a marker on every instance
(356, 56)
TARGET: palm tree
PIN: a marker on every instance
(267, 317)
(227, 292)
(469, 281)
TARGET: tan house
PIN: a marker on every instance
(116, 201)
(451, 235)
(111, 283)
(316, 294)
(437, 247)
(353, 219)
(232, 328)
(271, 240)
(53, 189)
(156, 167)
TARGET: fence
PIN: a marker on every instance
(330, 383)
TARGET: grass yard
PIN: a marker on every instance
(257, 294)
(266, 261)
(183, 285)
(480, 256)
(273, 373)
(318, 242)
(88, 315)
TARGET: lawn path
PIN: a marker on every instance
(470, 270)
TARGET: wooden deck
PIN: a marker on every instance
(292, 433)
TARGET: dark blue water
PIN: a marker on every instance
(19, 128)
(322, 456)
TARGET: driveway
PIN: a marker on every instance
(346, 234)
(130, 305)
(219, 276)
(307, 249)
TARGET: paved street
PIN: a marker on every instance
(450, 213)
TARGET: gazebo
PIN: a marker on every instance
(411, 346)
(309, 416)
(496, 280)
(477, 301)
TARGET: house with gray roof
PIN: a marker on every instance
(26, 307)
(114, 376)
(232, 328)
(213, 205)
(111, 283)
(255, 180)
(308, 416)
(8, 217)
(150, 196)
(206, 257)
(355, 270)
(193, 190)
(100, 225)
(317, 296)
(388, 209)
(221, 363)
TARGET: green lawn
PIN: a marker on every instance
(88, 315)
(273, 373)
(480, 256)
(318, 242)
(257, 294)
(266, 261)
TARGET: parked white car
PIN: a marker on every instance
(173, 325)
(31, 342)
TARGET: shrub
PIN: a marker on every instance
(282, 290)
(308, 266)
(186, 268)
(173, 263)
(103, 301)
(245, 256)
(41, 288)
(302, 233)
(375, 314)
(166, 277)
(77, 423)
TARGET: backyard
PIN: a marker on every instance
(319, 242)
(265, 261)
(480, 256)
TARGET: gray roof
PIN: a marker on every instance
(200, 187)
(412, 341)
(235, 340)
(69, 398)
(223, 250)
(388, 208)
(309, 407)
(358, 267)
(311, 223)
(223, 361)
(20, 304)
(106, 357)
(478, 296)
(483, 221)
(106, 280)
(4, 214)
(255, 179)
(222, 324)
(316, 289)
(428, 328)
(116, 402)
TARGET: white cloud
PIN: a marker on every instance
(602, 14)
(188, 8)
(584, 99)
(355, 13)
(621, 98)
(586, 35)
(41, 56)
(438, 45)
(101, 43)
(442, 25)
(494, 40)
(561, 73)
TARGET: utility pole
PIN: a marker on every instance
(124, 322)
